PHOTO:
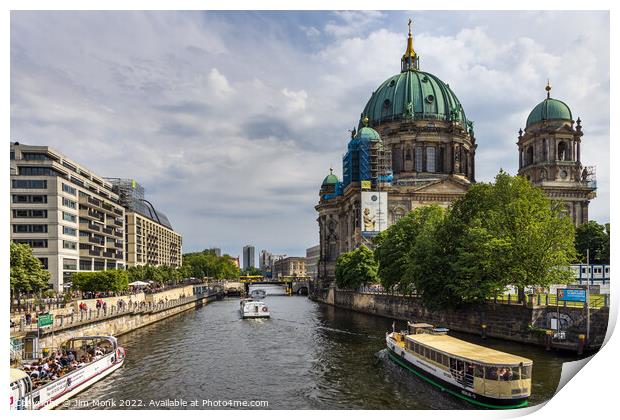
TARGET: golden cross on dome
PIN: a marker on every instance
(410, 22)
(548, 89)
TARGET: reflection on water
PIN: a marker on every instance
(307, 356)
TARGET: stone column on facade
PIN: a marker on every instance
(450, 158)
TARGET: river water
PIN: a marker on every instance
(307, 356)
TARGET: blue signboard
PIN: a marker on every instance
(572, 295)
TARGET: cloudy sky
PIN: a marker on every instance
(231, 120)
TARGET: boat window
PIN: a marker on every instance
(516, 375)
(526, 372)
(432, 355)
(479, 371)
(505, 374)
(446, 360)
(491, 373)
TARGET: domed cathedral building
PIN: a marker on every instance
(413, 146)
(550, 157)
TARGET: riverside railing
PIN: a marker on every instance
(541, 299)
(82, 317)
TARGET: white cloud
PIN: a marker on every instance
(231, 131)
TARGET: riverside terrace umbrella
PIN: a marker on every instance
(139, 283)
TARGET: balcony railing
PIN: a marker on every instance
(119, 212)
(108, 254)
(96, 253)
(107, 230)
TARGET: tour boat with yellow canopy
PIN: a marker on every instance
(477, 374)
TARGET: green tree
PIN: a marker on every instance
(100, 281)
(27, 272)
(500, 234)
(252, 271)
(356, 268)
(394, 245)
(594, 237)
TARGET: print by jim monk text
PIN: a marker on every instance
(164, 403)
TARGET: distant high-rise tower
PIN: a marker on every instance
(248, 256)
(264, 261)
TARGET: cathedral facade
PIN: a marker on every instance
(414, 146)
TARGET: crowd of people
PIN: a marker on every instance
(59, 364)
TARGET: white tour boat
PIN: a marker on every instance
(250, 308)
(477, 374)
(95, 357)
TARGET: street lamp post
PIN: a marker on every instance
(587, 302)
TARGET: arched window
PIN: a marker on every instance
(430, 159)
(562, 151)
(545, 150)
(418, 159)
(529, 156)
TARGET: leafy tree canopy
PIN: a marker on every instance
(594, 237)
(356, 268)
(27, 272)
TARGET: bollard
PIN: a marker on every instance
(548, 336)
(582, 341)
(484, 330)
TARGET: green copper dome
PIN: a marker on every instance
(367, 133)
(413, 94)
(330, 179)
(549, 109)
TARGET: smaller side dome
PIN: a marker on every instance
(330, 179)
(549, 109)
(367, 133)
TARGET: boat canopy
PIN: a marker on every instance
(468, 351)
(17, 374)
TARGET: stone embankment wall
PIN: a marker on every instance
(511, 322)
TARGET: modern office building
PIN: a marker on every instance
(312, 261)
(289, 266)
(150, 238)
(248, 256)
(215, 251)
(70, 216)
(264, 261)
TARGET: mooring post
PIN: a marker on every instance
(483, 331)
(580, 347)
(548, 336)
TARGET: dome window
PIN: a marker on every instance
(392, 83)
(386, 103)
(430, 99)
(425, 79)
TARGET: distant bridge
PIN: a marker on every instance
(296, 284)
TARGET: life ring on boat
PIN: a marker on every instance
(265, 309)
(119, 354)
